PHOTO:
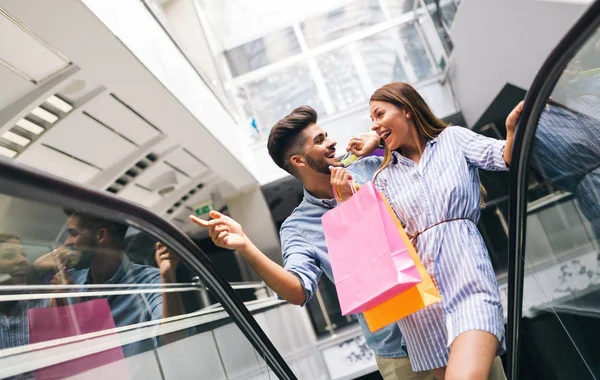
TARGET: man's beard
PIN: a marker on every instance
(320, 166)
(85, 260)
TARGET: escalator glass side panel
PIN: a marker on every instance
(83, 296)
(92, 286)
(560, 307)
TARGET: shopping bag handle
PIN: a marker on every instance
(338, 195)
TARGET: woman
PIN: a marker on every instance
(15, 269)
(14, 266)
(429, 175)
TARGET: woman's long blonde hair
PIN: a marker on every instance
(404, 96)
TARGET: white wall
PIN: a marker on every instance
(503, 41)
(250, 209)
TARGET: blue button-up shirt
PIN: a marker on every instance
(305, 254)
(14, 329)
(130, 309)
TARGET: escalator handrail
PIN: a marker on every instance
(535, 101)
(27, 183)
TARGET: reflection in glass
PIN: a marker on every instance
(561, 296)
(108, 301)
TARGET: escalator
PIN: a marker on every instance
(163, 311)
(160, 310)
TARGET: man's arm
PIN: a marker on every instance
(227, 233)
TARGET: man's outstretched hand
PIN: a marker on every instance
(224, 231)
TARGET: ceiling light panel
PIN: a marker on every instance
(57, 102)
(7, 152)
(26, 53)
(45, 115)
(30, 126)
(15, 138)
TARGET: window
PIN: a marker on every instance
(263, 51)
(341, 22)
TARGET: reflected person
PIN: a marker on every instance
(15, 269)
(578, 88)
(566, 152)
(93, 254)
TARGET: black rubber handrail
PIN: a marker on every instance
(535, 100)
(28, 183)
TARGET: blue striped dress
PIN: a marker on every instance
(566, 152)
(445, 186)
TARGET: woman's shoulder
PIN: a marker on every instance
(452, 133)
(452, 130)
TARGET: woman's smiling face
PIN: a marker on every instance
(390, 123)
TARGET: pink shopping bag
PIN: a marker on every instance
(66, 321)
(370, 261)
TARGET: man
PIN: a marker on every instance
(299, 146)
(92, 254)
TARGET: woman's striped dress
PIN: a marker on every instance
(438, 199)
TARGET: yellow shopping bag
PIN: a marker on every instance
(414, 299)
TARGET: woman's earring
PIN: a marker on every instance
(408, 116)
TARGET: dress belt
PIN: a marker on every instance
(414, 237)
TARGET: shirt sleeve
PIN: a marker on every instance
(299, 259)
(154, 299)
(364, 169)
(480, 151)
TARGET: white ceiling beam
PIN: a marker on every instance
(11, 114)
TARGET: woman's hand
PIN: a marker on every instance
(511, 126)
(513, 118)
(363, 145)
(341, 179)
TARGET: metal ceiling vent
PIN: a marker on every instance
(164, 183)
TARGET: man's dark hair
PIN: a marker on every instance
(286, 138)
(116, 230)
(6, 237)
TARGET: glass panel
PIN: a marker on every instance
(416, 50)
(396, 8)
(276, 95)
(442, 15)
(380, 54)
(88, 298)
(328, 318)
(341, 78)
(181, 21)
(561, 302)
(341, 22)
(262, 51)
